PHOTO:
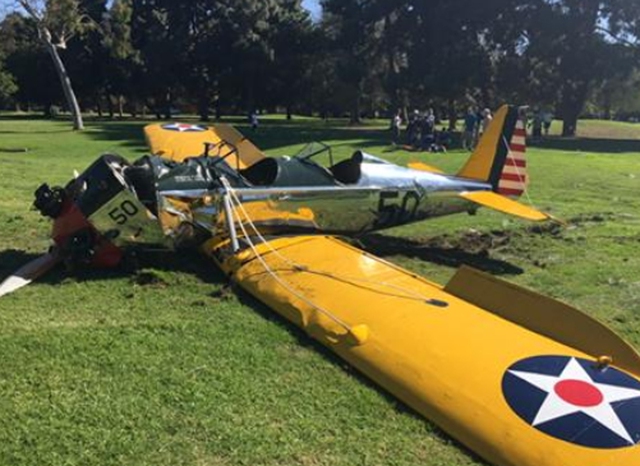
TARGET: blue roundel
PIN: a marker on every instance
(575, 400)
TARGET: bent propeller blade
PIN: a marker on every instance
(28, 273)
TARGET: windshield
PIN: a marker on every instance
(319, 151)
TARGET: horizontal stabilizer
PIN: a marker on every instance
(424, 167)
(503, 204)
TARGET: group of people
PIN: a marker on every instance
(475, 124)
(539, 121)
(421, 132)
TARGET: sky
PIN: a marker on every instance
(313, 6)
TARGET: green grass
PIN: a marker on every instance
(166, 366)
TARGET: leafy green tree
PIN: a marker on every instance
(293, 45)
(123, 61)
(158, 34)
(88, 52)
(349, 26)
(28, 62)
(618, 96)
(8, 87)
(568, 48)
(420, 51)
(235, 53)
(449, 52)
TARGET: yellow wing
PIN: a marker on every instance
(446, 352)
(178, 141)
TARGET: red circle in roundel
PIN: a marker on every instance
(578, 393)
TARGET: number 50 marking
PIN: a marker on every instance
(123, 212)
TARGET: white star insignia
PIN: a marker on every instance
(182, 127)
(573, 391)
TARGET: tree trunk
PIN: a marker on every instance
(453, 118)
(167, 105)
(573, 99)
(120, 106)
(569, 125)
(218, 110)
(203, 106)
(110, 107)
(355, 109)
(607, 105)
(65, 81)
(289, 112)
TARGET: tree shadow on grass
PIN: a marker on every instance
(25, 117)
(267, 137)
(442, 250)
(273, 137)
(31, 131)
(613, 146)
(128, 134)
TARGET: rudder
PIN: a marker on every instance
(513, 177)
(499, 157)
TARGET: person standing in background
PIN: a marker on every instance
(470, 124)
(253, 120)
(536, 124)
(547, 118)
(396, 121)
(486, 119)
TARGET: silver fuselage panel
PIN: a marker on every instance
(385, 196)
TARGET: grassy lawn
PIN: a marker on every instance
(165, 366)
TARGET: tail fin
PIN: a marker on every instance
(499, 158)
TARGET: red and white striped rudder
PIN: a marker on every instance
(513, 179)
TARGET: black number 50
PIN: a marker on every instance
(123, 212)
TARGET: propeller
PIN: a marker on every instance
(29, 272)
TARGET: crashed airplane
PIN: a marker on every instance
(548, 385)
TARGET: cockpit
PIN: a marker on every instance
(304, 169)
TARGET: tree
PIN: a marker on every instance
(28, 62)
(293, 45)
(348, 25)
(618, 96)
(57, 21)
(419, 51)
(8, 86)
(160, 34)
(571, 47)
(122, 60)
(450, 52)
(88, 52)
